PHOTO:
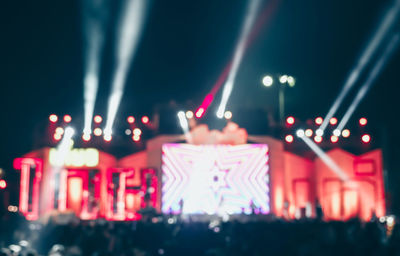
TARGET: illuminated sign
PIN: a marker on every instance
(77, 157)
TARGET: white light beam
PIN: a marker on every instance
(371, 78)
(131, 26)
(239, 52)
(379, 35)
(325, 158)
(94, 18)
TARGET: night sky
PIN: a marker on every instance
(183, 50)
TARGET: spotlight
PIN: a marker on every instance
(289, 138)
(336, 132)
(69, 132)
(333, 121)
(346, 133)
(228, 115)
(145, 119)
(67, 118)
(189, 114)
(267, 81)
(97, 131)
(300, 133)
(319, 132)
(283, 79)
(334, 139)
(290, 120)
(59, 130)
(318, 139)
(86, 137)
(97, 119)
(107, 137)
(128, 132)
(130, 119)
(363, 121)
(366, 138)
(137, 131)
(107, 132)
(57, 136)
(319, 120)
(53, 118)
(309, 132)
(291, 81)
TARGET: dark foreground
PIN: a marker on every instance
(170, 236)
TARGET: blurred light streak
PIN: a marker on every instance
(128, 35)
(325, 158)
(184, 124)
(262, 19)
(63, 148)
(380, 33)
(238, 55)
(94, 20)
(370, 80)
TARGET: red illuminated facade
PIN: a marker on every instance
(94, 184)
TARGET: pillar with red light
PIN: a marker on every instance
(29, 202)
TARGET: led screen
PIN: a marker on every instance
(215, 179)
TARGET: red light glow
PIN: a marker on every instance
(346, 133)
(289, 138)
(57, 136)
(3, 184)
(366, 138)
(86, 137)
(98, 119)
(130, 119)
(59, 130)
(107, 138)
(67, 118)
(318, 139)
(97, 131)
(363, 121)
(319, 120)
(333, 121)
(290, 120)
(145, 119)
(308, 132)
(136, 138)
(53, 118)
(334, 139)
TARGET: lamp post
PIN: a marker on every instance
(284, 80)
